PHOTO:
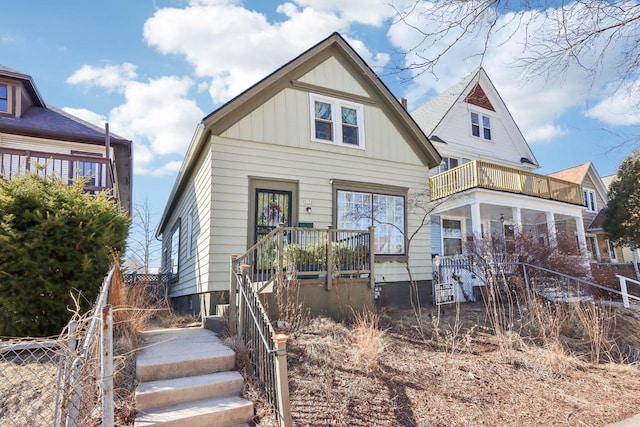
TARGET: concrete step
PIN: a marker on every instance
(182, 352)
(218, 412)
(156, 394)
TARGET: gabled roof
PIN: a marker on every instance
(431, 113)
(27, 81)
(578, 174)
(47, 121)
(597, 224)
(469, 90)
(574, 174)
(231, 112)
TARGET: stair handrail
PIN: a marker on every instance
(582, 281)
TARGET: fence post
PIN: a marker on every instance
(280, 251)
(106, 367)
(526, 284)
(329, 259)
(623, 290)
(245, 270)
(372, 277)
(233, 298)
(282, 381)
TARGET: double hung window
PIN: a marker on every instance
(480, 126)
(358, 210)
(589, 197)
(451, 237)
(4, 98)
(337, 121)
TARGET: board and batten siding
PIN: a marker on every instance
(236, 161)
(332, 74)
(274, 121)
(193, 274)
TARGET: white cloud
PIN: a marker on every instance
(169, 168)
(157, 115)
(87, 115)
(112, 77)
(159, 111)
(206, 34)
(620, 106)
(374, 13)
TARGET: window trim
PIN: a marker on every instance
(481, 127)
(336, 120)
(175, 234)
(189, 234)
(589, 195)
(462, 233)
(6, 98)
(380, 190)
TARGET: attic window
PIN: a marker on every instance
(480, 125)
(4, 100)
(337, 121)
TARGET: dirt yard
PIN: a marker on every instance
(456, 372)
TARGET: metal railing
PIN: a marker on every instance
(266, 350)
(312, 253)
(466, 272)
(624, 289)
(479, 174)
(96, 170)
(284, 252)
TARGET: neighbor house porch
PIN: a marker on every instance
(98, 171)
(483, 200)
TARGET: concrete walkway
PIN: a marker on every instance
(629, 422)
(187, 378)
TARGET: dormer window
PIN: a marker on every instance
(4, 98)
(480, 126)
(337, 121)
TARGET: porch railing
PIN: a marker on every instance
(479, 174)
(98, 171)
(287, 251)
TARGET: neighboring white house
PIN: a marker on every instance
(485, 186)
(315, 141)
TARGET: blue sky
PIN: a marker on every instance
(153, 69)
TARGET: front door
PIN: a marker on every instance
(272, 208)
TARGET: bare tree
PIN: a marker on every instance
(142, 245)
(557, 33)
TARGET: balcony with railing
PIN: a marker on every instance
(479, 174)
(97, 171)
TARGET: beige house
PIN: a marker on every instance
(35, 136)
(319, 142)
(485, 186)
(594, 196)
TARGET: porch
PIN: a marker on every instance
(97, 170)
(317, 261)
(480, 174)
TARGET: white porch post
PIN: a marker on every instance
(516, 213)
(582, 240)
(551, 229)
(476, 221)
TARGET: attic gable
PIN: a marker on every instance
(478, 97)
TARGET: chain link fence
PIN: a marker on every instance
(57, 382)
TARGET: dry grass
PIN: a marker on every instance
(462, 374)
(27, 393)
